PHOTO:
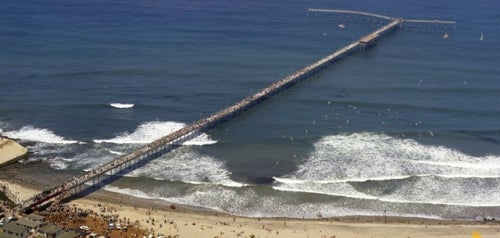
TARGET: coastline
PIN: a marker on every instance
(192, 222)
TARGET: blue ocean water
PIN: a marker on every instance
(408, 128)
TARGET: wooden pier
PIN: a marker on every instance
(171, 141)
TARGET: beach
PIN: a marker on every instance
(178, 220)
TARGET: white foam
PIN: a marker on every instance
(463, 192)
(145, 133)
(128, 191)
(334, 189)
(215, 198)
(188, 167)
(189, 199)
(151, 131)
(253, 204)
(59, 163)
(301, 181)
(115, 152)
(75, 158)
(30, 133)
(339, 160)
(202, 139)
(462, 176)
(122, 105)
(247, 202)
(368, 156)
(483, 165)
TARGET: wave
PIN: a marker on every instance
(389, 178)
(122, 105)
(189, 167)
(247, 202)
(469, 192)
(115, 152)
(30, 133)
(301, 181)
(59, 163)
(335, 189)
(132, 192)
(213, 187)
(202, 139)
(185, 200)
(151, 131)
(474, 192)
(367, 156)
(374, 166)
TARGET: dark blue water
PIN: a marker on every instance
(408, 128)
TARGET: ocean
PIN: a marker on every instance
(410, 127)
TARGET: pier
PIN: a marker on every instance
(427, 24)
(171, 141)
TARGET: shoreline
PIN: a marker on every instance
(101, 195)
(187, 221)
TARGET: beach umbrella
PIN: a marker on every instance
(476, 234)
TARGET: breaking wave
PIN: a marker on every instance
(30, 133)
(116, 152)
(189, 167)
(151, 131)
(122, 105)
(380, 167)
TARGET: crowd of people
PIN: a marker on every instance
(103, 221)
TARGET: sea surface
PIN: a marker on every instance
(410, 127)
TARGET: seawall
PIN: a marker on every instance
(10, 151)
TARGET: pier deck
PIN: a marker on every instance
(367, 14)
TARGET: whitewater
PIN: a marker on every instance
(361, 166)
(122, 105)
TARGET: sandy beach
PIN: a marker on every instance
(185, 222)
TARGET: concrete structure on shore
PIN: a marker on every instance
(10, 151)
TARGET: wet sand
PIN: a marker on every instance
(172, 219)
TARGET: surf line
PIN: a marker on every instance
(140, 156)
